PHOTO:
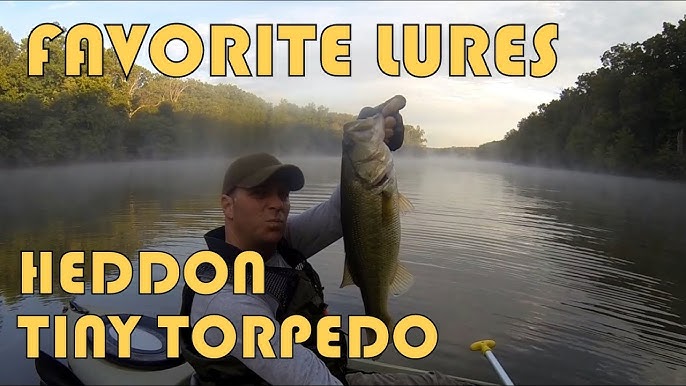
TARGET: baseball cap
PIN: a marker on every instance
(252, 170)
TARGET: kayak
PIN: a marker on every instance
(148, 363)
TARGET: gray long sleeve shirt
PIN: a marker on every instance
(309, 232)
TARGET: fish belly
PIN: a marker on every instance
(371, 235)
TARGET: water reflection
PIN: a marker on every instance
(618, 261)
(577, 277)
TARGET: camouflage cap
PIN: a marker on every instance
(252, 170)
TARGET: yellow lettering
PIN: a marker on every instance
(430, 336)
(219, 51)
(37, 53)
(287, 339)
(172, 323)
(194, 47)
(228, 332)
(220, 277)
(32, 324)
(505, 50)
(432, 43)
(68, 272)
(265, 50)
(149, 258)
(29, 273)
(325, 336)
(331, 50)
(60, 336)
(384, 50)
(126, 48)
(543, 46)
(474, 54)
(240, 275)
(124, 331)
(80, 338)
(268, 329)
(99, 260)
(356, 323)
(296, 34)
(75, 55)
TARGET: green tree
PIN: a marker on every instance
(57, 119)
(621, 118)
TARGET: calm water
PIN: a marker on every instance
(579, 278)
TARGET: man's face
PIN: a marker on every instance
(259, 214)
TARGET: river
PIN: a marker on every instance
(579, 278)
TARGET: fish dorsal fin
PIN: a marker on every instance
(404, 205)
(347, 277)
(402, 281)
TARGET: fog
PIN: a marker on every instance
(79, 191)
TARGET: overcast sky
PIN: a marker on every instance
(463, 111)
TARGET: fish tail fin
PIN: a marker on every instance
(347, 277)
(404, 204)
(402, 281)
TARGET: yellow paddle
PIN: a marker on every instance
(485, 347)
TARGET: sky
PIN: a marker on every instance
(452, 111)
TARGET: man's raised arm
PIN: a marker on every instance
(316, 228)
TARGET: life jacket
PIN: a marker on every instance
(298, 291)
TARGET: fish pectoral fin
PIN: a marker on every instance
(404, 205)
(347, 277)
(402, 281)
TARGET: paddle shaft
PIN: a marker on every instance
(498, 368)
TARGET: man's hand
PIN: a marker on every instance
(395, 129)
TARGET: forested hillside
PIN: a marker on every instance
(57, 119)
(624, 117)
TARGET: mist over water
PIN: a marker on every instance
(579, 278)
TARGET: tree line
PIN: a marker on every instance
(625, 117)
(57, 119)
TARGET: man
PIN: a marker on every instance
(255, 203)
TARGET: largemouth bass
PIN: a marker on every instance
(370, 213)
